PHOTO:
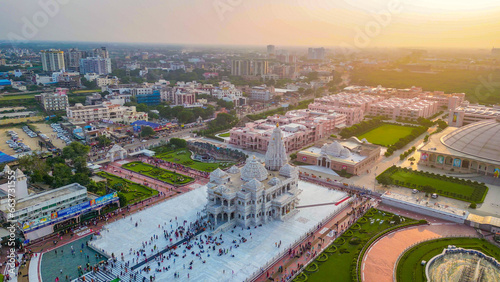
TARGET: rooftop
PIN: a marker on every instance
(36, 199)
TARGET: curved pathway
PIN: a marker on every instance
(378, 263)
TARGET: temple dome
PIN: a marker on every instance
(274, 181)
(335, 149)
(253, 184)
(480, 139)
(288, 171)
(219, 176)
(253, 169)
(233, 170)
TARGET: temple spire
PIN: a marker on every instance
(276, 151)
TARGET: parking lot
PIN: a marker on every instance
(15, 140)
(24, 137)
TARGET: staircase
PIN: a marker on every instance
(109, 275)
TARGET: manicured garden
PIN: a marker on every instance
(456, 188)
(133, 192)
(158, 173)
(183, 157)
(227, 134)
(409, 267)
(339, 261)
(387, 134)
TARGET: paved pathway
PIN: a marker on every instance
(291, 263)
(379, 262)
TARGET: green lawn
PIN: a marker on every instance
(132, 191)
(227, 134)
(386, 134)
(158, 173)
(342, 255)
(410, 269)
(183, 156)
(454, 188)
(17, 97)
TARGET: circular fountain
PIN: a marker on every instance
(457, 264)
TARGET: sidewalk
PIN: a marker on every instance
(319, 239)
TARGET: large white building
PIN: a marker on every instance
(52, 60)
(258, 192)
(106, 111)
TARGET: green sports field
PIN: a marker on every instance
(410, 268)
(386, 134)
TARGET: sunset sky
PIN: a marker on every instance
(423, 23)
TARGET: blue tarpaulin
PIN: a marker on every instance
(4, 158)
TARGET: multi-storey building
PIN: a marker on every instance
(96, 65)
(316, 53)
(106, 80)
(52, 60)
(72, 59)
(38, 214)
(271, 50)
(257, 193)
(399, 108)
(300, 128)
(260, 68)
(106, 111)
(353, 115)
(152, 99)
(468, 114)
(349, 100)
(262, 93)
(240, 67)
(57, 101)
(228, 92)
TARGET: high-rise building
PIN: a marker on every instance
(316, 53)
(52, 60)
(100, 52)
(240, 67)
(96, 65)
(260, 67)
(72, 59)
(271, 50)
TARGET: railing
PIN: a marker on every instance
(297, 242)
(328, 245)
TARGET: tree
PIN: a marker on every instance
(384, 179)
(186, 116)
(103, 140)
(152, 115)
(62, 175)
(178, 143)
(74, 150)
(142, 108)
(123, 199)
(147, 131)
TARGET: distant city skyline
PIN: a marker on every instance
(361, 24)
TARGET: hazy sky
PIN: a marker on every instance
(357, 23)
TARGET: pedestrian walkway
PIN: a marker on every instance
(291, 263)
(380, 260)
